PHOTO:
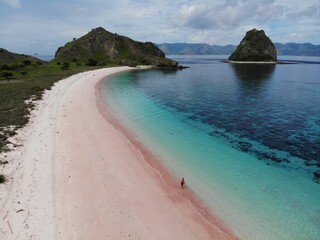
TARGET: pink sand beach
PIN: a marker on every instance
(77, 173)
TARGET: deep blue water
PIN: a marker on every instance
(245, 137)
(269, 111)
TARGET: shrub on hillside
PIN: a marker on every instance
(92, 62)
(26, 62)
(6, 74)
(65, 66)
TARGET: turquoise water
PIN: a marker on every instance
(246, 138)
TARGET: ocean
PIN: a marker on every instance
(246, 137)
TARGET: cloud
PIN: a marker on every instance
(230, 14)
(43, 26)
(305, 12)
(12, 3)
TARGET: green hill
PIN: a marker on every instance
(100, 47)
(7, 57)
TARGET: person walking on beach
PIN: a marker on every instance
(182, 183)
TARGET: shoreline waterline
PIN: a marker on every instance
(252, 195)
(170, 183)
(103, 186)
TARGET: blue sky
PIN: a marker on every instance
(41, 26)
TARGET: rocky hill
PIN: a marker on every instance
(100, 47)
(255, 47)
(7, 57)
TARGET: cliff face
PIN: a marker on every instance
(104, 48)
(254, 47)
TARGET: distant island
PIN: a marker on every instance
(256, 46)
(293, 49)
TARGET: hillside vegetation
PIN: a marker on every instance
(22, 81)
(24, 78)
(100, 47)
(7, 57)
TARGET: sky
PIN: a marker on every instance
(42, 26)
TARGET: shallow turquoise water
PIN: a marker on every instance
(225, 160)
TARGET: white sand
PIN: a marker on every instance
(26, 200)
(77, 175)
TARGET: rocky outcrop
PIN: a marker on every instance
(104, 48)
(255, 47)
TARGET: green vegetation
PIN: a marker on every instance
(65, 66)
(7, 57)
(23, 77)
(100, 48)
(23, 81)
(6, 74)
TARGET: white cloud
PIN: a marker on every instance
(12, 3)
(305, 12)
(294, 36)
(30, 28)
(205, 15)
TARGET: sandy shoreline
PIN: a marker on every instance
(105, 185)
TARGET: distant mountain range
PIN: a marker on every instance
(297, 49)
